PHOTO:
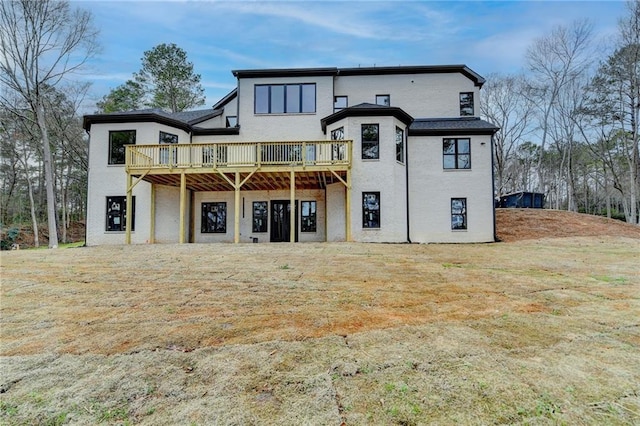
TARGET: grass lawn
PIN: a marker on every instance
(542, 331)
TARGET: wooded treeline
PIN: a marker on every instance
(569, 122)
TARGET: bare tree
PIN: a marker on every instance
(554, 61)
(41, 43)
(504, 105)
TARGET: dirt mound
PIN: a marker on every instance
(527, 224)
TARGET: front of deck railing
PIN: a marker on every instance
(239, 154)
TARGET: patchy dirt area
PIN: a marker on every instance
(536, 331)
(528, 224)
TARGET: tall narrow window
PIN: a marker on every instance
(338, 149)
(214, 218)
(456, 153)
(458, 213)
(308, 216)
(383, 100)
(260, 216)
(370, 142)
(117, 214)
(466, 103)
(399, 145)
(117, 141)
(371, 210)
(339, 102)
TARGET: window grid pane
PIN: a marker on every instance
(466, 103)
(260, 216)
(458, 213)
(371, 210)
(456, 153)
(370, 142)
(214, 218)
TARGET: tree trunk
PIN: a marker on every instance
(48, 176)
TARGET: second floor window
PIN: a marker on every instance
(339, 102)
(399, 145)
(285, 98)
(383, 100)
(117, 141)
(232, 121)
(456, 153)
(466, 103)
(370, 142)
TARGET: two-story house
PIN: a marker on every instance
(382, 154)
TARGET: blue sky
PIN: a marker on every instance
(220, 36)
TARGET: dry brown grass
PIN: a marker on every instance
(540, 331)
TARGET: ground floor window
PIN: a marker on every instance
(371, 210)
(458, 213)
(308, 216)
(214, 218)
(117, 213)
(260, 216)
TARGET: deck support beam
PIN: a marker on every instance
(152, 214)
(128, 219)
(236, 219)
(293, 214)
(183, 205)
(347, 206)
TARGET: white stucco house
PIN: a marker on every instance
(378, 154)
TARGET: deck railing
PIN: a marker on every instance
(239, 154)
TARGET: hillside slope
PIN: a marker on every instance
(526, 224)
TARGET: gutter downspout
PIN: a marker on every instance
(493, 193)
(406, 169)
(86, 200)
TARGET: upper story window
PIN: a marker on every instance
(232, 121)
(285, 98)
(339, 102)
(117, 141)
(370, 142)
(456, 153)
(168, 138)
(466, 103)
(399, 145)
(383, 100)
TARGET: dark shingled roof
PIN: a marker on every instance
(366, 110)
(183, 120)
(451, 126)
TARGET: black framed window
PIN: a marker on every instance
(260, 216)
(466, 103)
(285, 98)
(214, 218)
(370, 142)
(458, 213)
(308, 216)
(337, 150)
(117, 141)
(399, 145)
(117, 214)
(383, 100)
(232, 121)
(371, 210)
(340, 102)
(168, 137)
(456, 153)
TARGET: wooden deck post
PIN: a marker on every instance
(183, 205)
(236, 219)
(293, 213)
(128, 219)
(347, 206)
(152, 214)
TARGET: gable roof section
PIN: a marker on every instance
(229, 97)
(413, 69)
(451, 126)
(185, 120)
(366, 110)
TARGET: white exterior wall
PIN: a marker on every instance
(167, 228)
(111, 180)
(431, 189)
(336, 218)
(246, 220)
(283, 127)
(420, 95)
(384, 175)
